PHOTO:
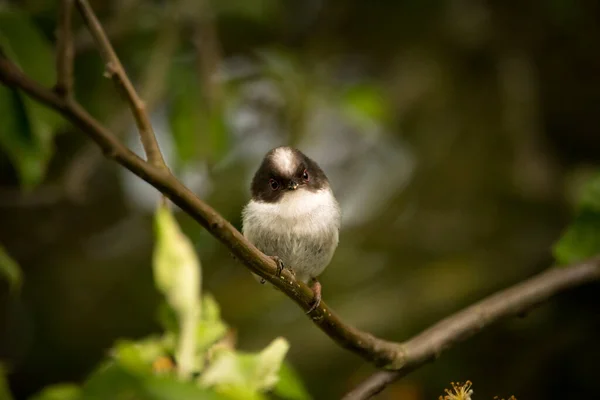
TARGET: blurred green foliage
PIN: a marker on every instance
(207, 366)
(451, 132)
(28, 128)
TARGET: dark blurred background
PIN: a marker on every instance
(456, 134)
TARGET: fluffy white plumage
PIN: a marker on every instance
(302, 228)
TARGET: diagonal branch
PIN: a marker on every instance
(116, 71)
(378, 351)
(399, 358)
(516, 300)
(64, 51)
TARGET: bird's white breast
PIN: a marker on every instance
(302, 229)
(298, 210)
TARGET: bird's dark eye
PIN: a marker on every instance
(305, 175)
(274, 184)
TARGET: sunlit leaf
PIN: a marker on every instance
(269, 362)
(210, 327)
(28, 144)
(10, 270)
(63, 391)
(290, 385)
(176, 266)
(177, 275)
(244, 371)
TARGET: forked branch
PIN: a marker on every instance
(115, 71)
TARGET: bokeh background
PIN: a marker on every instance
(456, 135)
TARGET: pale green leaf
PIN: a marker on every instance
(10, 270)
(269, 363)
(246, 372)
(177, 275)
(210, 327)
(290, 385)
(176, 266)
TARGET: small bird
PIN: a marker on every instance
(293, 216)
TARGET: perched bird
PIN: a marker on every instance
(293, 216)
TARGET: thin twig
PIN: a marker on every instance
(400, 357)
(116, 71)
(516, 300)
(152, 89)
(117, 28)
(64, 51)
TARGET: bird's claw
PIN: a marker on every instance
(316, 288)
(280, 266)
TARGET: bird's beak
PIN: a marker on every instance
(293, 185)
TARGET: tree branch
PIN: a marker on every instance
(115, 70)
(399, 357)
(378, 351)
(516, 300)
(152, 89)
(64, 52)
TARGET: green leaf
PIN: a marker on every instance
(210, 327)
(581, 240)
(115, 382)
(62, 391)
(28, 136)
(198, 133)
(246, 372)
(26, 45)
(17, 140)
(176, 266)
(138, 356)
(4, 388)
(10, 270)
(177, 275)
(290, 385)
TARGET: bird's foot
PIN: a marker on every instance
(316, 288)
(281, 266)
